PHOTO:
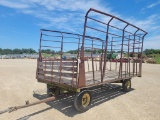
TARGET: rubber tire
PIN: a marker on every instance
(124, 85)
(78, 101)
(50, 90)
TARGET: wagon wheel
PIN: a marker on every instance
(82, 100)
(126, 85)
(52, 90)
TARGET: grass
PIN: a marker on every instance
(46, 55)
(156, 57)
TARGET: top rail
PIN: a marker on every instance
(94, 10)
(95, 38)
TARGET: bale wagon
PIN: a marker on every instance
(102, 34)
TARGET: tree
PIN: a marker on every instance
(72, 51)
(17, 51)
(31, 51)
(1, 51)
(131, 54)
(7, 51)
(151, 51)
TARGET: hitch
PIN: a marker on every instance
(11, 109)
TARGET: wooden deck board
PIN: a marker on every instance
(56, 79)
(109, 75)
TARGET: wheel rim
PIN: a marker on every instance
(128, 84)
(85, 100)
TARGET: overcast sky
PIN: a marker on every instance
(21, 20)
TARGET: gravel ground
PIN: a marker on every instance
(17, 83)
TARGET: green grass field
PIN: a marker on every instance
(46, 55)
(156, 57)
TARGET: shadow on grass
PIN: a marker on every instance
(66, 104)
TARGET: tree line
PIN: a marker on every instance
(95, 51)
(151, 51)
(146, 51)
(17, 51)
(49, 51)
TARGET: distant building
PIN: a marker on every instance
(2, 56)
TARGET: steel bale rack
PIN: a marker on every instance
(77, 73)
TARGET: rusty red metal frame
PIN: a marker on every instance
(128, 41)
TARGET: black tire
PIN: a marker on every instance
(83, 100)
(51, 90)
(126, 85)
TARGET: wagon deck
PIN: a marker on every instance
(49, 70)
